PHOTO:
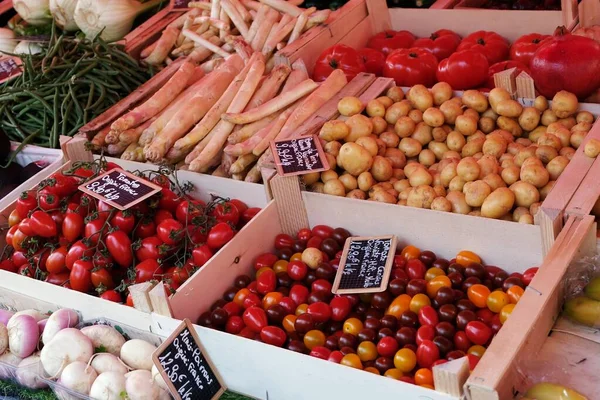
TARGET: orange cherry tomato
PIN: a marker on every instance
(476, 350)
(423, 376)
(398, 306)
(433, 272)
(410, 252)
(240, 296)
(301, 309)
(405, 360)
(353, 326)
(436, 284)
(271, 299)
(372, 370)
(393, 373)
(506, 311)
(280, 266)
(314, 338)
(18, 239)
(367, 351)
(13, 218)
(351, 360)
(289, 322)
(478, 295)
(515, 293)
(296, 257)
(260, 271)
(427, 386)
(496, 300)
(419, 301)
(466, 257)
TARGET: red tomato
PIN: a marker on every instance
(74, 208)
(388, 41)
(265, 260)
(226, 212)
(197, 234)
(11, 234)
(320, 311)
(124, 220)
(249, 214)
(102, 258)
(465, 69)
(170, 231)
(297, 270)
(77, 252)
(321, 352)
(304, 234)
(234, 325)
(182, 274)
(315, 242)
(162, 215)
(374, 60)
(273, 335)
(148, 270)
(150, 248)
(338, 57)
(56, 262)
(119, 247)
(255, 318)
(62, 185)
(322, 231)
(335, 356)
(93, 230)
(478, 332)
(442, 43)
(415, 269)
(425, 332)
(340, 308)
(409, 67)
(25, 227)
(266, 282)
(129, 300)
(48, 200)
(26, 270)
(201, 255)
(17, 240)
(473, 360)
(101, 277)
(112, 295)
(240, 205)
(81, 276)
(84, 171)
(428, 316)
(145, 228)
(58, 279)
(493, 46)
(387, 346)
(503, 66)
(43, 224)
(8, 265)
(299, 294)
(523, 49)
(58, 217)
(282, 240)
(18, 258)
(168, 200)
(528, 275)
(26, 203)
(188, 209)
(427, 354)
(162, 181)
(219, 235)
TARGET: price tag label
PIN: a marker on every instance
(299, 156)
(185, 367)
(365, 265)
(10, 67)
(119, 188)
(181, 5)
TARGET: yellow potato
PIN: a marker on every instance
(397, 110)
(526, 219)
(469, 112)
(455, 141)
(448, 173)
(433, 117)
(349, 106)
(524, 141)
(457, 184)
(369, 144)
(334, 130)
(375, 109)
(451, 110)
(396, 157)
(498, 203)
(489, 113)
(439, 190)
(381, 146)
(349, 182)
(529, 118)
(535, 208)
(383, 197)
(509, 108)
(585, 116)
(546, 153)
(486, 124)
(441, 203)
(577, 138)
(465, 125)
(427, 157)
(472, 147)
(488, 164)
(494, 181)
(422, 133)
(420, 97)
(390, 139)
(333, 148)
(582, 126)
(416, 115)
(564, 135)
(546, 190)
(510, 125)
(318, 187)
(548, 139)
(540, 103)
(507, 160)
(360, 126)
(564, 104)
(401, 185)
(451, 154)
(535, 174)
(365, 181)
(328, 175)
(496, 96)
(441, 92)
(459, 204)
(410, 147)
(468, 169)
(592, 148)
(332, 160)
(398, 174)
(354, 158)
(311, 178)
(395, 93)
(476, 192)
(356, 194)
(412, 166)
(511, 175)
(382, 169)
(440, 133)
(379, 125)
(535, 134)
(567, 122)
(421, 197)
(525, 194)
(524, 154)
(476, 100)
(567, 152)
(548, 117)
(420, 177)
(494, 146)
(334, 187)
(404, 194)
(518, 212)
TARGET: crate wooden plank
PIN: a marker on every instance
(588, 192)
(5, 6)
(589, 13)
(569, 13)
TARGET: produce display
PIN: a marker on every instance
(433, 310)
(563, 61)
(60, 235)
(223, 26)
(96, 360)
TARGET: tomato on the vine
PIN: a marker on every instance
(48, 200)
(249, 214)
(188, 209)
(168, 200)
(56, 262)
(148, 270)
(72, 226)
(170, 231)
(25, 227)
(201, 255)
(226, 212)
(43, 225)
(111, 295)
(26, 203)
(94, 230)
(219, 235)
(150, 248)
(162, 215)
(58, 278)
(162, 181)
(124, 220)
(102, 277)
(240, 205)
(78, 251)
(62, 185)
(182, 274)
(80, 277)
(8, 265)
(119, 247)
(17, 240)
(145, 228)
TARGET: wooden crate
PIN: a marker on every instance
(244, 364)
(524, 339)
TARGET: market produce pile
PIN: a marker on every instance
(60, 235)
(563, 61)
(432, 311)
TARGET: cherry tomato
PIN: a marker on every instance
(478, 332)
(150, 248)
(94, 229)
(14, 218)
(56, 262)
(111, 295)
(425, 332)
(81, 276)
(273, 335)
(410, 252)
(428, 316)
(188, 209)
(435, 284)
(496, 300)
(351, 360)
(101, 277)
(282, 241)
(119, 247)
(266, 282)
(304, 234)
(419, 301)
(27, 202)
(387, 346)
(47, 200)
(11, 234)
(405, 360)
(249, 214)
(148, 270)
(145, 228)
(515, 293)
(424, 376)
(478, 295)
(299, 294)
(8, 265)
(352, 326)
(340, 308)
(466, 257)
(58, 279)
(297, 270)
(322, 231)
(265, 260)
(506, 311)
(528, 275)
(461, 341)
(162, 215)
(201, 255)
(17, 240)
(226, 212)
(168, 200)
(25, 227)
(124, 220)
(320, 311)
(367, 351)
(255, 318)
(415, 269)
(129, 300)
(399, 305)
(234, 325)
(427, 354)
(170, 231)
(219, 235)
(321, 352)
(314, 338)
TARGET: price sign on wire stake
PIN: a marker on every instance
(180, 5)
(365, 265)
(10, 67)
(299, 156)
(119, 188)
(185, 367)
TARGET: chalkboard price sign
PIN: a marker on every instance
(185, 367)
(119, 188)
(10, 67)
(365, 265)
(299, 156)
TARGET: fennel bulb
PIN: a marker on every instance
(35, 12)
(114, 18)
(26, 47)
(7, 41)
(63, 12)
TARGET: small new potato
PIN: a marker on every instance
(328, 175)
(476, 192)
(404, 127)
(421, 197)
(548, 139)
(433, 117)
(333, 148)
(379, 125)
(472, 147)
(475, 100)
(334, 187)
(383, 197)
(397, 110)
(427, 157)
(548, 117)
(365, 181)
(564, 135)
(577, 138)
(496, 96)
(459, 204)
(354, 158)
(410, 147)
(441, 92)
(567, 122)
(540, 103)
(524, 154)
(488, 164)
(455, 141)
(451, 110)
(465, 125)
(510, 125)
(385, 100)
(535, 134)
(420, 177)
(390, 139)
(585, 116)
(360, 126)
(318, 187)
(411, 167)
(486, 124)
(567, 152)
(529, 118)
(494, 181)
(441, 204)
(535, 174)
(420, 97)
(564, 104)
(582, 126)
(498, 203)
(349, 106)
(526, 219)
(592, 148)
(448, 173)
(334, 130)
(310, 178)
(457, 184)
(441, 133)
(395, 93)
(401, 185)
(509, 108)
(422, 133)
(416, 115)
(356, 194)
(382, 169)
(369, 144)
(451, 154)
(518, 212)
(375, 109)
(440, 190)
(525, 194)
(546, 190)
(494, 146)
(546, 153)
(396, 157)
(349, 182)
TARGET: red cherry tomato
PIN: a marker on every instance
(297, 270)
(341, 57)
(77, 252)
(493, 46)
(249, 214)
(188, 209)
(478, 332)
(226, 212)
(442, 43)
(428, 316)
(282, 240)
(168, 200)
(162, 215)
(47, 200)
(255, 318)
(273, 335)
(234, 325)
(219, 235)
(201, 255)
(322, 231)
(390, 40)
(304, 234)
(265, 260)
(409, 67)
(340, 308)
(150, 248)
(240, 205)
(43, 224)
(426, 332)
(124, 220)
(101, 277)
(320, 311)
(72, 226)
(321, 352)
(427, 354)
(56, 262)
(111, 295)
(461, 341)
(299, 294)
(464, 69)
(26, 203)
(145, 228)
(119, 247)
(94, 230)
(148, 270)
(529, 274)
(170, 231)
(80, 277)
(387, 346)
(266, 282)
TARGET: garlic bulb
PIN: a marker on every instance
(7, 41)
(114, 18)
(63, 12)
(35, 12)
(27, 47)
